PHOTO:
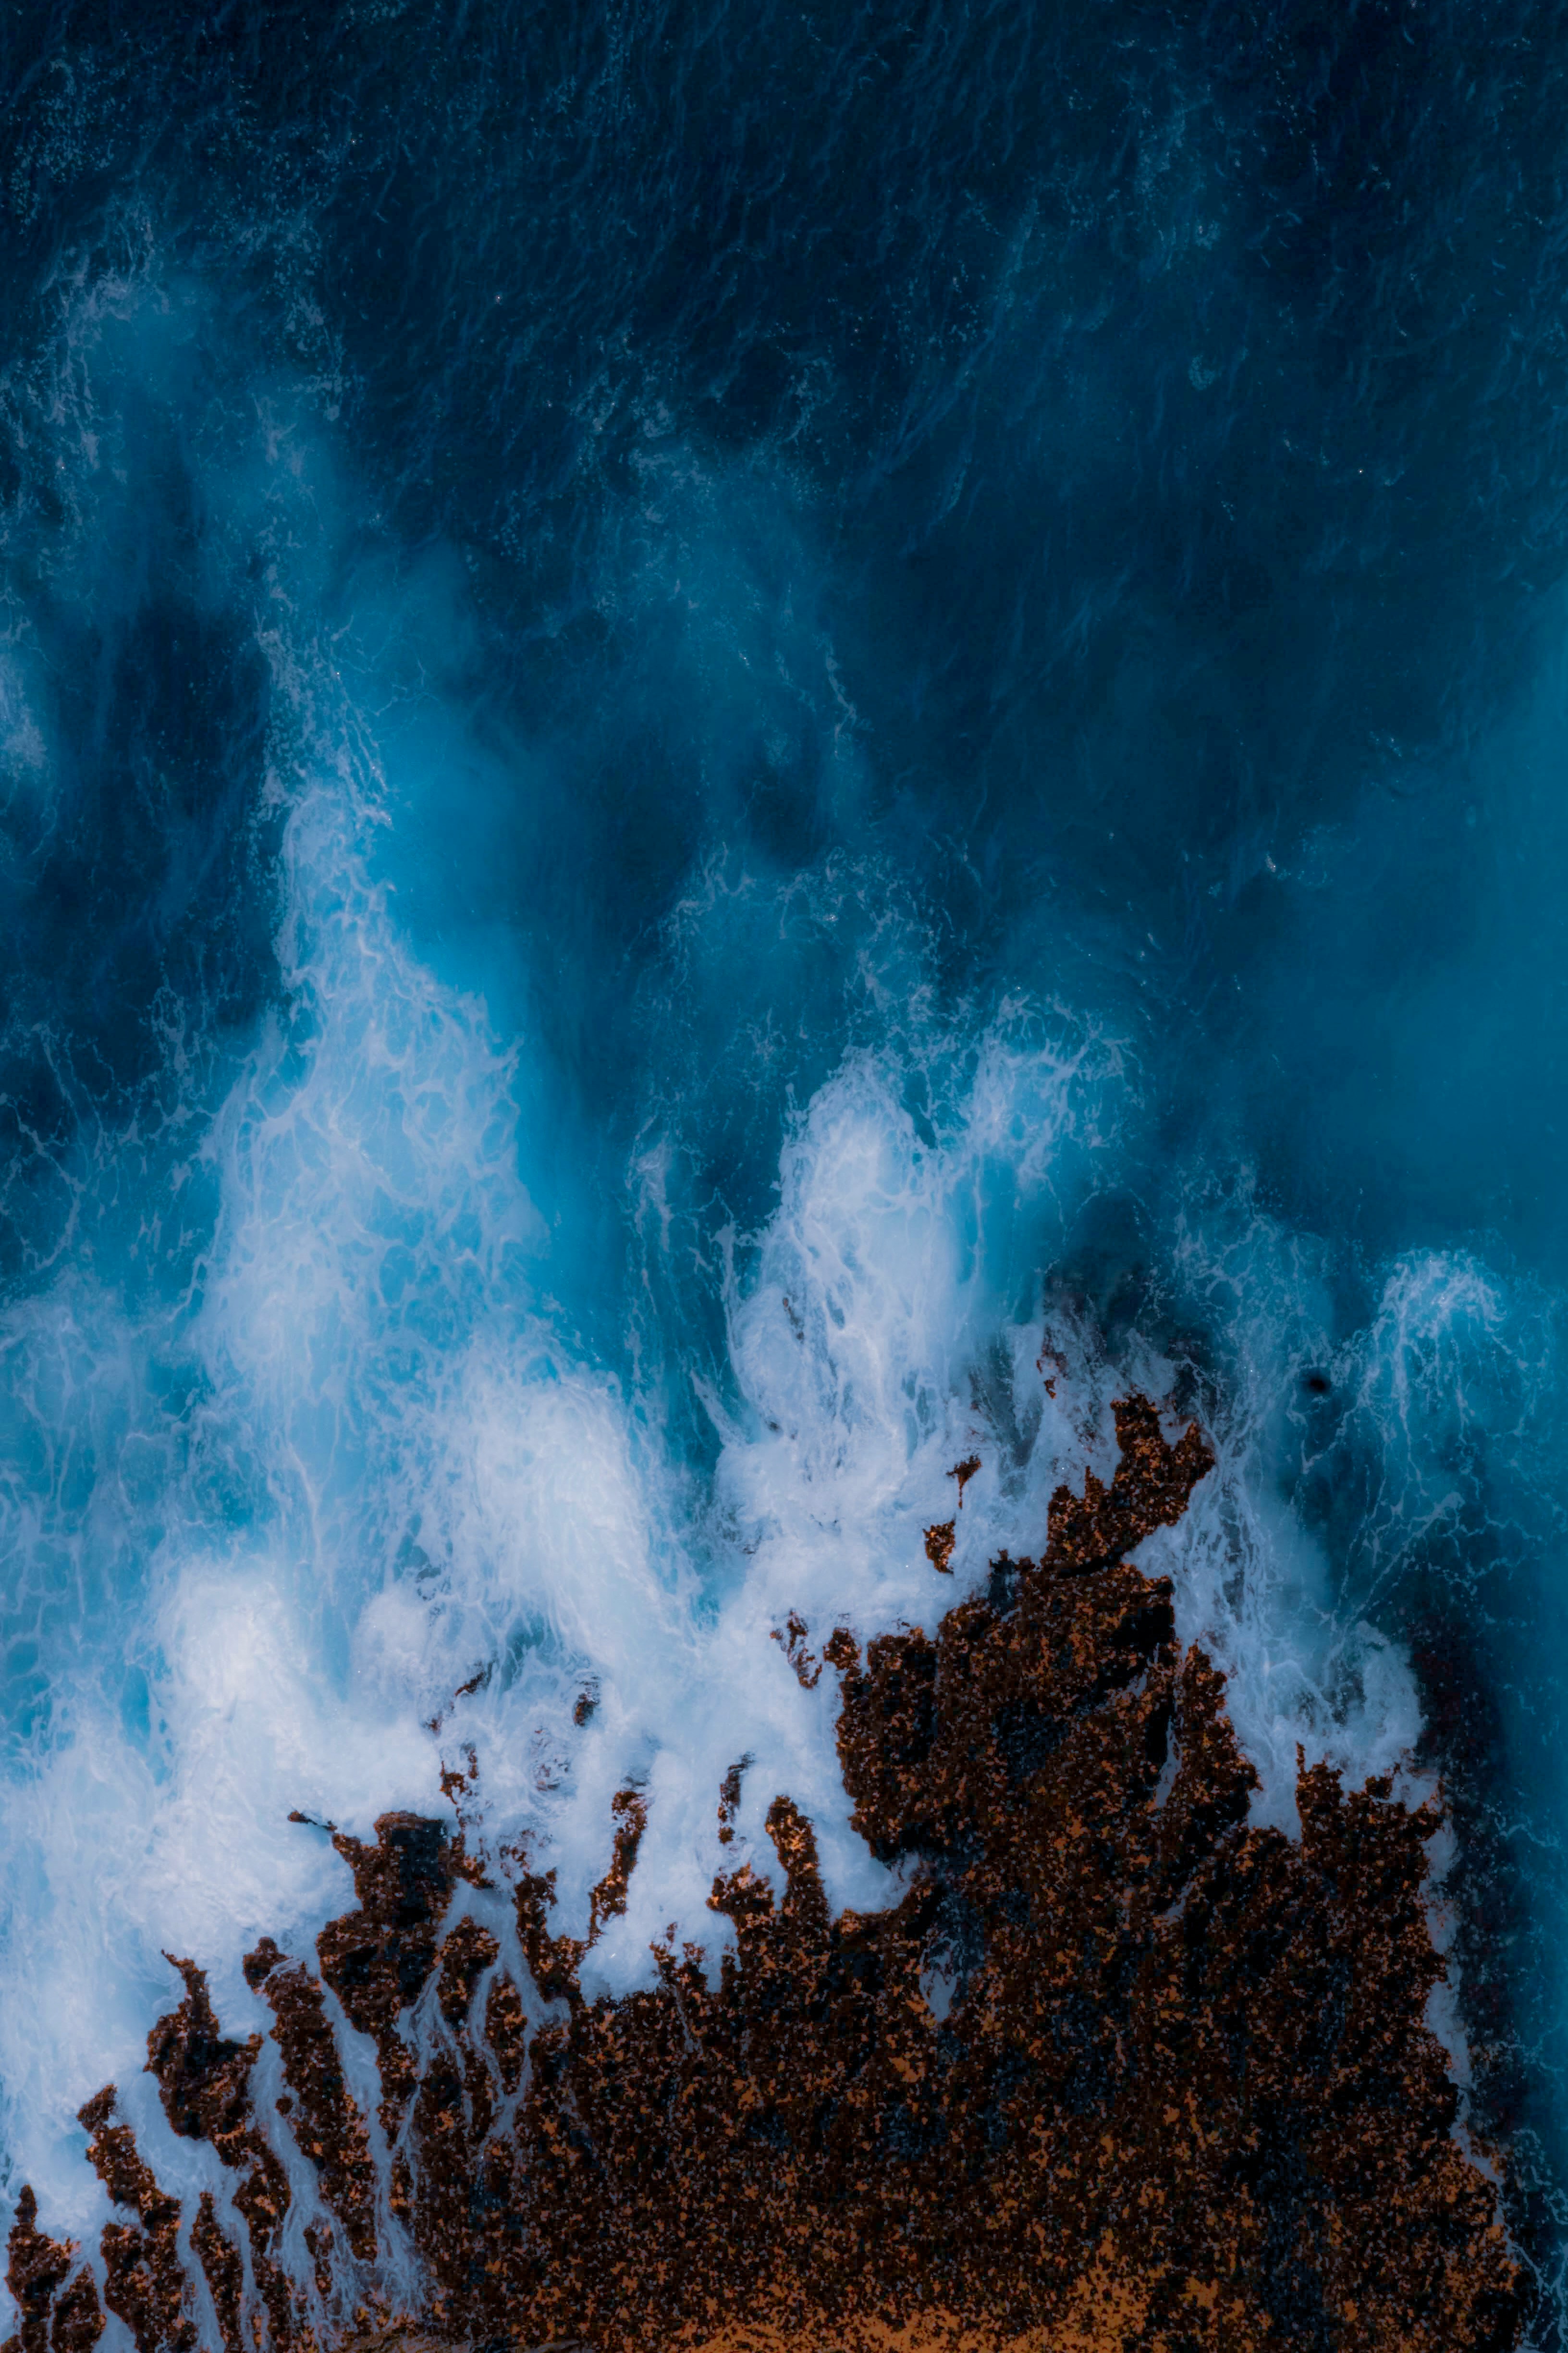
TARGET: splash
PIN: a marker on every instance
(469, 1341)
(945, 2120)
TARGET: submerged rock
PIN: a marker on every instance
(1120, 2069)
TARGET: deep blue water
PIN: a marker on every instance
(707, 710)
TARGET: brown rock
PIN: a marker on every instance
(1120, 2069)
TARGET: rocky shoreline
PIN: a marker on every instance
(1120, 2069)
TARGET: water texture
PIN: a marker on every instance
(744, 749)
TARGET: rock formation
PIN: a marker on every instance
(1120, 2069)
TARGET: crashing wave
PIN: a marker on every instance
(1121, 2065)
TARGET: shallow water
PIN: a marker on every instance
(722, 727)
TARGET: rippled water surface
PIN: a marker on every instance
(714, 718)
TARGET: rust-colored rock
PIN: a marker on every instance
(376, 1960)
(939, 1541)
(203, 2080)
(223, 2270)
(145, 2285)
(506, 2029)
(325, 2122)
(608, 1899)
(36, 2271)
(1120, 2069)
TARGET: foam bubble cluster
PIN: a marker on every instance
(350, 1501)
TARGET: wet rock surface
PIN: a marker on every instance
(1120, 2069)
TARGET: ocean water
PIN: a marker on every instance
(745, 748)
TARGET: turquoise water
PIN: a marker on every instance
(716, 721)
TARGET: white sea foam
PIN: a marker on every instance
(1433, 1390)
(1307, 1673)
(395, 1477)
(387, 1473)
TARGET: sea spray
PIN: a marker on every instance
(740, 765)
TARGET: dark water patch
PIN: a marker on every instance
(842, 539)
